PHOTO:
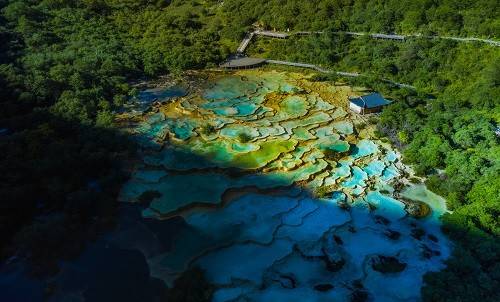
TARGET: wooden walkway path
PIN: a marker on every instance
(340, 73)
(240, 61)
(272, 34)
(283, 35)
(312, 66)
(351, 33)
(403, 37)
(244, 44)
(487, 41)
(246, 62)
(248, 38)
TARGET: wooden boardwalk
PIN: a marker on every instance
(312, 66)
(491, 42)
(340, 73)
(244, 44)
(284, 35)
(351, 33)
(272, 34)
(402, 37)
(248, 38)
(242, 63)
(246, 63)
(239, 61)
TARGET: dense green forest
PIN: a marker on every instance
(65, 65)
(442, 17)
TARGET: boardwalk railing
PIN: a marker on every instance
(272, 34)
(244, 44)
(401, 37)
(283, 35)
(491, 42)
(340, 73)
(312, 66)
(248, 38)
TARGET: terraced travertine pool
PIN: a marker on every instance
(283, 194)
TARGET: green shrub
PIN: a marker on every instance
(244, 137)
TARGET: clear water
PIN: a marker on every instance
(245, 191)
(148, 96)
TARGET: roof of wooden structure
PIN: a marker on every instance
(371, 100)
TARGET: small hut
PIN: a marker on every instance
(369, 103)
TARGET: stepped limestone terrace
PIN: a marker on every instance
(267, 182)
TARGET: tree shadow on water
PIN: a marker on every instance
(101, 250)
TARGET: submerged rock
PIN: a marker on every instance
(393, 235)
(338, 240)
(334, 155)
(432, 237)
(326, 251)
(334, 264)
(343, 205)
(147, 196)
(286, 281)
(428, 253)
(417, 209)
(333, 257)
(387, 264)
(324, 287)
(417, 233)
(359, 296)
(381, 220)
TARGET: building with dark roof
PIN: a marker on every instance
(369, 103)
